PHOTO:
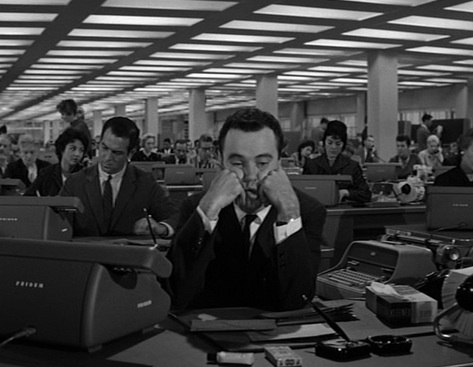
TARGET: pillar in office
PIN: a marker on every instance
(47, 132)
(267, 94)
(198, 121)
(97, 117)
(151, 122)
(297, 117)
(461, 100)
(120, 110)
(469, 104)
(383, 101)
(360, 112)
(57, 127)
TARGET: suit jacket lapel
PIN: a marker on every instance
(127, 188)
(265, 234)
(94, 195)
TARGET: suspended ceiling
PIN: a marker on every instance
(104, 53)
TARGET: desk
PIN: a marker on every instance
(170, 345)
(177, 193)
(346, 224)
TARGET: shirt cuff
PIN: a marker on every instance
(284, 231)
(170, 232)
(209, 225)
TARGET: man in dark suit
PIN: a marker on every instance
(28, 166)
(180, 154)
(116, 194)
(269, 263)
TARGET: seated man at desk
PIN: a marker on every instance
(404, 156)
(461, 175)
(251, 239)
(333, 162)
(116, 194)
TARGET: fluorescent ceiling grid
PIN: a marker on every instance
(15, 43)
(27, 17)
(90, 53)
(466, 7)
(102, 44)
(339, 69)
(171, 4)
(442, 50)
(118, 33)
(170, 63)
(259, 65)
(316, 52)
(393, 2)
(459, 69)
(190, 55)
(306, 60)
(142, 20)
(447, 80)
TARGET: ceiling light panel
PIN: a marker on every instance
(144, 20)
(351, 44)
(431, 22)
(171, 4)
(316, 52)
(306, 60)
(465, 41)
(170, 63)
(339, 69)
(57, 60)
(36, 2)
(218, 48)
(442, 50)
(27, 17)
(273, 26)
(190, 55)
(466, 7)
(21, 31)
(118, 34)
(90, 53)
(260, 65)
(397, 35)
(393, 2)
(313, 12)
(8, 52)
(15, 43)
(102, 44)
(459, 69)
(218, 37)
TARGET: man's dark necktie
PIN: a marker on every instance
(107, 203)
(249, 218)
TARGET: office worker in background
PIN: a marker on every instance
(218, 261)
(74, 118)
(368, 151)
(167, 147)
(432, 156)
(305, 150)
(27, 167)
(205, 157)
(462, 174)
(70, 147)
(404, 156)
(317, 134)
(146, 153)
(333, 162)
(115, 193)
(180, 155)
(5, 153)
(423, 132)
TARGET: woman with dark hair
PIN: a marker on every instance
(305, 150)
(70, 148)
(333, 162)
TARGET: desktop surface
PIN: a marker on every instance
(170, 344)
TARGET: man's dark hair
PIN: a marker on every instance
(67, 107)
(68, 136)
(324, 120)
(251, 120)
(404, 138)
(167, 140)
(338, 130)
(465, 140)
(180, 141)
(123, 127)
(306, 143)
(205, 138)
(426, 117)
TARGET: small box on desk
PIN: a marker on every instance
(400, 305)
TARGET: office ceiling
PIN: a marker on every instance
(104, 53)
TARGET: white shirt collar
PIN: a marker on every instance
(261, 214)
(116, 176)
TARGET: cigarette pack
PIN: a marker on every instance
(283, 356)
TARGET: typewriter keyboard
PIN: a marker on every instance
(353, 278)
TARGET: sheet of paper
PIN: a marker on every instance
(291, 332)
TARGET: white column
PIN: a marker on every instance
(360, 112)
(297, 116)
(198, 119)
(57, 127)
(267, 94)
(151, 121)
(461, 100)
(47, 132)
(97, 117)
(383, 101)
(120, 110)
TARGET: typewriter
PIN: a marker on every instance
(368, 261)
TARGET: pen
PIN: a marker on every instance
(150, 228)
(338, 330)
